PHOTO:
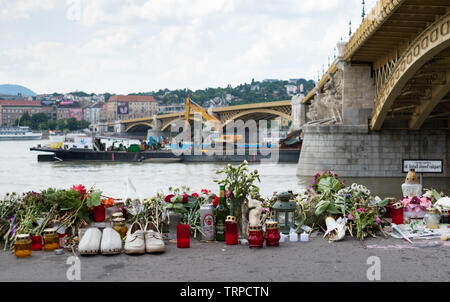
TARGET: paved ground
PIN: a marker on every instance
(317, 260)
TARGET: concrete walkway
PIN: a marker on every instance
(317, 260)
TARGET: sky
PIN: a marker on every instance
(129, 46)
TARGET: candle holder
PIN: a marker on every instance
(183, 236)
(36, 243)
(272, 234)
(255, 237)
(397, 213)
(99, 213)
(231, 231)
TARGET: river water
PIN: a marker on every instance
(21, 172)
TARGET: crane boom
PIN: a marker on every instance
(197, 108)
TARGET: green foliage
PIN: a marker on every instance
(329, 185)
(240, 181)
(94, 199)
(244, 93)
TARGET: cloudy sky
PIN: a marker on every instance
(126, 46)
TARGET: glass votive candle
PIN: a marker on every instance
(231, 231)
(272, 234)
(51, 240)
(397, 214)
(183, 236)
(99, 213)
(36, 243)
(22, 247)
(255, 237)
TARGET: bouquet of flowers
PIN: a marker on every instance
(416, 207)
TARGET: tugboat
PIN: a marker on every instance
(18, 133)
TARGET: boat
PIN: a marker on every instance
(18, 133)
(92, 149)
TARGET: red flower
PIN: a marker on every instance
(215, 201)
(194, 195)
(81, 189)
(185, 198)
(206, 192)
(107, 203)
(168, 198)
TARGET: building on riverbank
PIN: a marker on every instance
(13, 109)
(124, 107)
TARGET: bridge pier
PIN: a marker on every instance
(354, 151)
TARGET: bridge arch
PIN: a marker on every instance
(431, 42)
(257, 113)
(138, 127)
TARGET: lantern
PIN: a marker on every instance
(285, 212)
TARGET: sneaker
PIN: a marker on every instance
(111, 242)
(153, 239)
(135, 241)
(90, 243)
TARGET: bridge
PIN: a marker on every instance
(387, 94)
(258, 111)
(404, 45)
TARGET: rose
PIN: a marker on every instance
(185, 198)
(204, 191)
(215, 201)
(195, 195)
(350, 217)
(168, 198)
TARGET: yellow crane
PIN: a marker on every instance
(197, 108)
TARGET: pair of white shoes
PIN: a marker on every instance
(93, 242)
(141, 240)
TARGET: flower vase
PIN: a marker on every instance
(239, 210)
(99, 213)
(174, 221)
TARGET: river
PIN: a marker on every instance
(21, 172)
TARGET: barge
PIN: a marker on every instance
(161, 156)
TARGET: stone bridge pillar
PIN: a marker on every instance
(358, 93)
(119, 127)
(298, 112)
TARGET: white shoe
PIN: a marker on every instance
(153, 239)
(135, 241)
(111, 242)
(90, 243)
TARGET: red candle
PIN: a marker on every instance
(36, 243)
(272, 234)
(397, 215)
(99, 213)
(255, 237)
(231, 231)
(183, 236)
(388, 211)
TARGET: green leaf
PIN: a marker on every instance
(436, 195)
(94, 199)
(329, 185)
(383, 203)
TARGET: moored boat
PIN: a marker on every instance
(18, 133)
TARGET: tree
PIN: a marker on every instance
(52, 125)
(61, 125)
(38, 119)
(72, 124)
(83, 125)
